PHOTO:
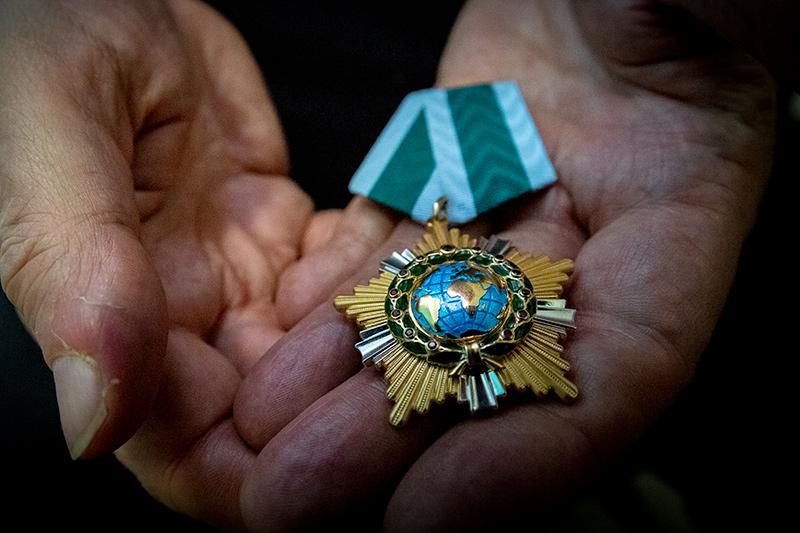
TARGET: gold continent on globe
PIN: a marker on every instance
(458, 300)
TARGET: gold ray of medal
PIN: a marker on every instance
(456, 317)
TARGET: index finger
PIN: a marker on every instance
(341, 451)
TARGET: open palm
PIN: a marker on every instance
(661, 156)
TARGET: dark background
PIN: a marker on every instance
(721, 455)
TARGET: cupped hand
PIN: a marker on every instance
(155, 249)
(662, 138)
(145, 218)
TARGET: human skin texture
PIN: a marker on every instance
(153, 243)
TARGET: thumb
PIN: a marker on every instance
(73, 265)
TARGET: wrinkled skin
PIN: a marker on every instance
(147, 219)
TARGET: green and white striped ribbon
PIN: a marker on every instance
(476, 145)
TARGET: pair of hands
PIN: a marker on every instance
(152, 242)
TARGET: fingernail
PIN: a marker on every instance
(79, 391)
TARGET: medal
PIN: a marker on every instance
(457, 317)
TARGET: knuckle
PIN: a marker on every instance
(40, 253)
(28, 254)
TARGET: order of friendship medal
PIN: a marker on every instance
(456, 317)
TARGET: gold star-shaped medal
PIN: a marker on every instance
(463, 318)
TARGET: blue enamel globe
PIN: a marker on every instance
(458, 300)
